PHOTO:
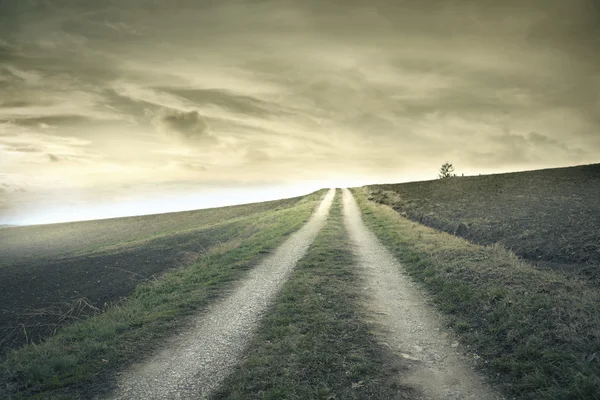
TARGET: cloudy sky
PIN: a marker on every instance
(120, 107)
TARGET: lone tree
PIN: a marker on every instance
(446, 171)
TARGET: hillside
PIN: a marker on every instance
(29, 243)
(549, 217)
(52, 275)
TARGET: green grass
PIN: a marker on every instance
(313, 343)
(537, 332)
(82, 357)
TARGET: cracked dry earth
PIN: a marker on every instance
(407, 324)
(194, 363)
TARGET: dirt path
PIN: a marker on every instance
(193, 364)
(405, 323)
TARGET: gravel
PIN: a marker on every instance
(193, 364)
(406, 324)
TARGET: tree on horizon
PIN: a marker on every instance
(446, 171)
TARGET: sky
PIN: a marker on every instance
(113, 107)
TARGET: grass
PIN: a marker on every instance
(549, 217)
(535, 332)
(104, 274)
(82, 358)
(32, 243)
(313, 343)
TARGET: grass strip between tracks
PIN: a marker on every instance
(536, 333)
(80, 359)
(313, 343)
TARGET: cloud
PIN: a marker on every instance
(510, 149)
(296, 89)
(53, 158)
(544, 141)
(188, 126)
(24, 148)
(227, 100)
(50, 120)
(256, 156)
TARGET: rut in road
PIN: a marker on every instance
(194, 363)
(410, 327)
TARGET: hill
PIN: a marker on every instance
(549, 217)
(52, 275)
(35, 242)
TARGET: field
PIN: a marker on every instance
(18, 245)
(549, 217)
(534, 331)
(52, 275)
(509, 261)
(83, 356)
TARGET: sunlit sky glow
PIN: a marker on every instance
(112, 108)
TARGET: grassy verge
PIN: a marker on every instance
(313, 344)
(79, 360)
(537, 333)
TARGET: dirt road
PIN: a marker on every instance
(191, 365)
(407, 324)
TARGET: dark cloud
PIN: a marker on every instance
(14, 103)
(517, 150)
(297, 89)
(574, 25)
(186, 125)
(543, 140)
(135, 108)
(6, 51)
(53, 158)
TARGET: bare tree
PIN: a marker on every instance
(446, 171)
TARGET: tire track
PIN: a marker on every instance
(192, 364)
(405, 323)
